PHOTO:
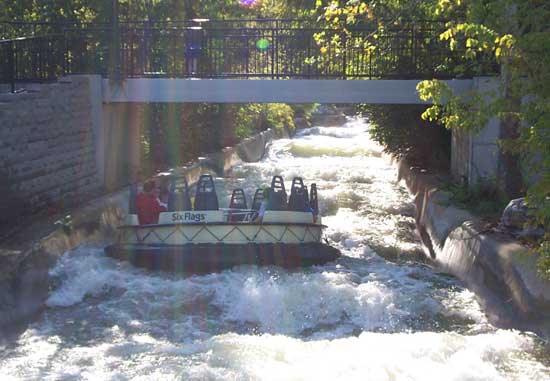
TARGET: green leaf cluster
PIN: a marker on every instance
(404, 134)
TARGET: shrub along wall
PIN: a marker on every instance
(404, 134)
(174, 134)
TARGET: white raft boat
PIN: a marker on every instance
(210, 239)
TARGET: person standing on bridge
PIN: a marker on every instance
(193, 48)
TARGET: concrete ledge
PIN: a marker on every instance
(253, 149)
(500, 270)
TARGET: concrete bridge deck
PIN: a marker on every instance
(143, 90)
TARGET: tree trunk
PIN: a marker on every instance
(511, 179)
(509, 171)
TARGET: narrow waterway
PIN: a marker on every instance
(372, 315)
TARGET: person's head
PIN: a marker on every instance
(265, 193)
(156, 189)
(148, 187)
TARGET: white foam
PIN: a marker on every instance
(373, 356)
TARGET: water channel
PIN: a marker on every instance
(375, 314)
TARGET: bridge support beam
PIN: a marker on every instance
(267, 91)
(122, 146)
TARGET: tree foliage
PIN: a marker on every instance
(85, 11)
(403, 133)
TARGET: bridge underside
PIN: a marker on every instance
(144, 90)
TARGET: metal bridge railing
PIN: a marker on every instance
(276, 49)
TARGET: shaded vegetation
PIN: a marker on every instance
(483, 199)
(81, 12)
(175, 134)
(404, 134)
(544, 258)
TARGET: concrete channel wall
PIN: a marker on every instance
(498, 269)
(47, 142)
(25, 263)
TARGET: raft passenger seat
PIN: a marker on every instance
(178, 199)
(238, 201)
(277, 194)
(258, 198)
(205, 195)
(299, 200)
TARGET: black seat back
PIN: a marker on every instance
(299, 200)
(313, 200)
(179, 199)
(258, 198)
(277, 194)
(238, 199)
(205, 195)
(132, 209)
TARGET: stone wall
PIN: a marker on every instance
(47, 143)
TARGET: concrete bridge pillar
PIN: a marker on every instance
(475, 155)
(122, 124)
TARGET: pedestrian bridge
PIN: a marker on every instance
(238, 61)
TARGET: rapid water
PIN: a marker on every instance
(363, 317)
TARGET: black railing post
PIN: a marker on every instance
(11, 65)
(344, 52)
(65, 52)
(414, 47)
(61, 48)
(309, 42)
(115, 69)
(273, 54)
(277, 48)
(370, 62)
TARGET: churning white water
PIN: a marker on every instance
(361, 317)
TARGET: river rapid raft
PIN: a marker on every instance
(359, 317)
(209, 238)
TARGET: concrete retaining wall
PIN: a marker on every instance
(500, 271)
(47, 145)
(25, 263)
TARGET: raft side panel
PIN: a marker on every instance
(288, 216)
(206, 258)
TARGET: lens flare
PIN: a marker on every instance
(262, 44)
(247, 3)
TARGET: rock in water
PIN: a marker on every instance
(516, 217)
